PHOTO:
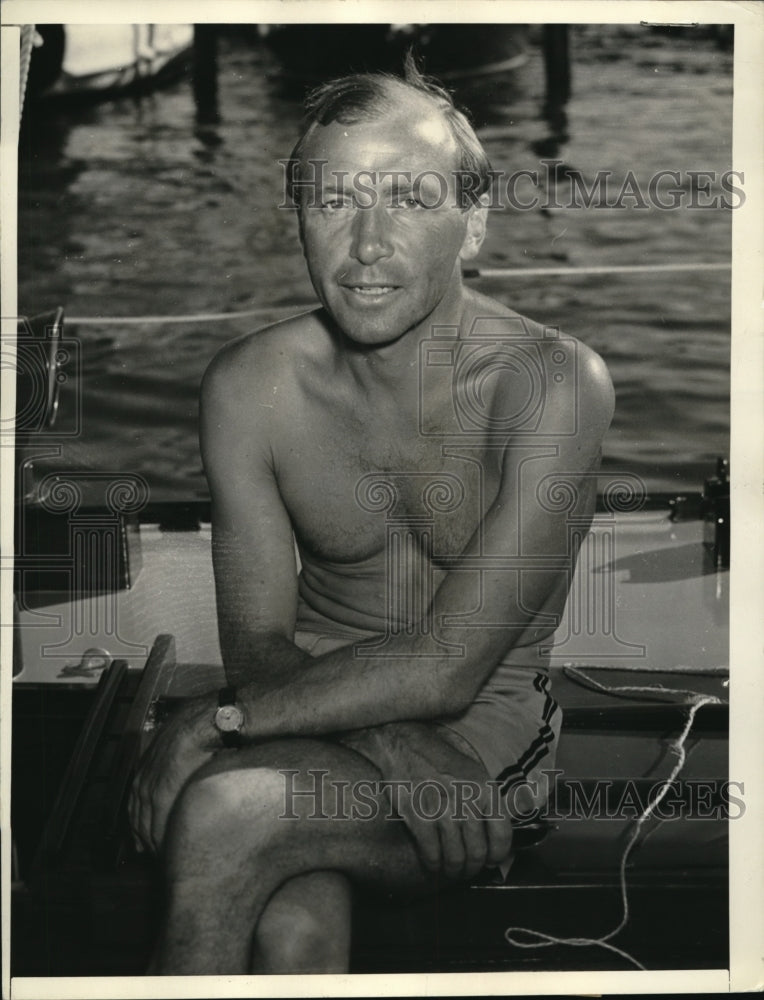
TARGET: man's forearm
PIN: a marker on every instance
(346, 689)
(435, 672)
(266, 669)
(261, 660)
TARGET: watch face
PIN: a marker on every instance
(229, 718)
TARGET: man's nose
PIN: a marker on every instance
(371, 234)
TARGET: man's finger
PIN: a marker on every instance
(452, 847)
(134, 810)
(499, 836)
(145, 814)
(475, 837)
(425, 834)
(428, 844)
(156, 823)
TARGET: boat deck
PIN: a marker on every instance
(644, 595)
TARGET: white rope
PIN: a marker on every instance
(189, 318)
(678, 668)
(540, 939)
(656, 692)
(515, 272)
(488, 272)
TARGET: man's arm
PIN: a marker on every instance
(255, 581)
(253, 549)
(255, 574)
(286, 692)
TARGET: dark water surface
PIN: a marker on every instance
(129, 208)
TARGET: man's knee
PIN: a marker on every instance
(280, 780)
(229, 809)
(302, 940)
(259, 787)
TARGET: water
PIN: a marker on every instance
(129, 208)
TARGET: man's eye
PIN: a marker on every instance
(409, 201)
(335, 204)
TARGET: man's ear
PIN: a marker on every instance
(477, 220)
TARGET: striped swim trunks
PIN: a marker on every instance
(512, 726)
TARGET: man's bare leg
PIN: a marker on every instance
(229, 848)
(305, 926)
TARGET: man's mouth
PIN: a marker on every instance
(372, 290)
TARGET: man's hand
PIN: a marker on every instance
(466, 831)
(186, 741)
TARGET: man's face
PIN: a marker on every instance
(383, 233)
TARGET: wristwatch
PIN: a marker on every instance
(229, 718)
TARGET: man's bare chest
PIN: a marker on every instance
(349, 479)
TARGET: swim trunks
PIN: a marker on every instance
(512, 725)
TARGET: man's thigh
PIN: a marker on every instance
(324, 801)
(328, 809)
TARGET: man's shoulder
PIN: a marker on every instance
(566, 371)
(272, 351)
(488, 317)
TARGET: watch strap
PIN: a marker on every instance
(231, 739)
(227, 696)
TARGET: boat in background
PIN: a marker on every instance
(456, 52)
(91, 60)
(313, 53)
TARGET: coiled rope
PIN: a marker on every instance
(529, 938)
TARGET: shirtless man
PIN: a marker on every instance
(432, 454)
